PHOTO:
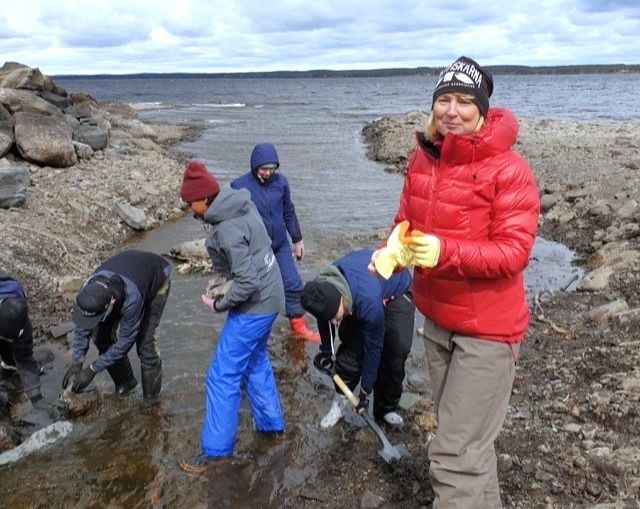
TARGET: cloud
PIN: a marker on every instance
(121, 36)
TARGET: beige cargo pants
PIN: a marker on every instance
(471, 380)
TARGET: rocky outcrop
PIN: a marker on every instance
(43, 124)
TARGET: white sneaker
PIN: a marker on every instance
(7, 367)
(393, 419)
(335, 412)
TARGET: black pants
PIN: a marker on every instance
(19, 353)
(146, 341)
(399, 317)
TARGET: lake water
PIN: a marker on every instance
(125, 455)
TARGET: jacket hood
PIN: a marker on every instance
(228, 204)
(263, 153)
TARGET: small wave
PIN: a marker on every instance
(215, 121)
(144, 106)
(221, 105)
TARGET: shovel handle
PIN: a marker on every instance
(353, 399)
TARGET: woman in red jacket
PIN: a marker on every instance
(475, 200)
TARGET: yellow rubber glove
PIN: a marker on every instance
(425, 249)
(396, 253)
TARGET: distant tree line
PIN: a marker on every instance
(376, 73)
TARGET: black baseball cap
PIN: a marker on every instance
(91, 304)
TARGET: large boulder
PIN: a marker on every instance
(18, 75)
(25, 100)
(13, 183)
(6, 137)
(24, 78)
(43, 140)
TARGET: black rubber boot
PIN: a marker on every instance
(122, 376)
(151, 382)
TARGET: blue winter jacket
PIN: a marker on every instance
(9, 287)
(272, 199)
(368, 294)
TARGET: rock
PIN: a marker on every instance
(132, 216)
(135, 127)
(13, 184)
(62, 329)
(58, 101)
(623, 462)
(628, 210)
(408, 400)
(5, 116)
(548, 201)
(596, 280)
(602, 313)
(24, 100)
(6, 137)
(7, 440)
(94, 136)
(572, 428)
(191, 250)
(44, 140)
(418, 380)
(24, 78)
(631, 503)
(505, 463)
(371, 500)
(83, 152)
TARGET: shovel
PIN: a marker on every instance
(388, 452)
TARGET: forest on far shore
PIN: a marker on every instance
(375, 73)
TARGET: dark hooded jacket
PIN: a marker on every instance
(272, 199)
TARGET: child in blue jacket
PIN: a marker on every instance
(271, 195)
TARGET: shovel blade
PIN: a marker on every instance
(388, 452)
(394, 452)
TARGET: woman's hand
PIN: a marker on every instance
(372, 263)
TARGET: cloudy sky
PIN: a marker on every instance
(126, 36)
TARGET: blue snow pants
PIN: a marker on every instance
(291, 280)
(240, 361)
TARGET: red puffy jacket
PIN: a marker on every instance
(480, 199)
